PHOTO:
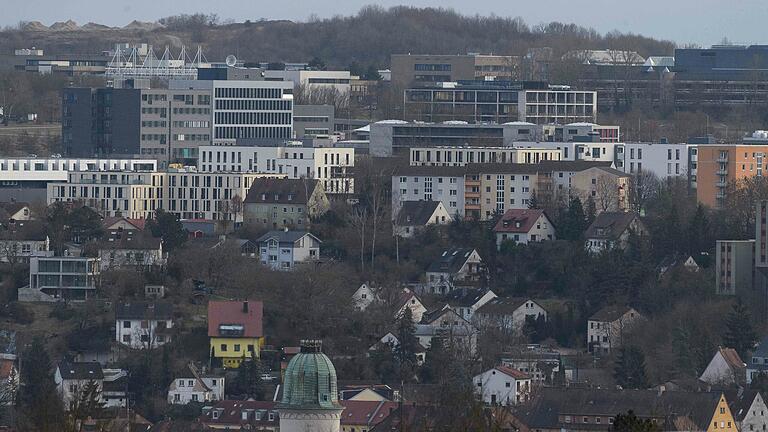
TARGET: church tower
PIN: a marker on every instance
(310, 394)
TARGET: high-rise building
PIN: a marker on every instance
(719, 166)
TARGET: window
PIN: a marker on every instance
(223, 347)
(237, 347)
(126, 324)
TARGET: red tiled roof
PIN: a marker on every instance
(524, 217)
(514, 373)
(232, 312)
(368, 413)
(230, 413)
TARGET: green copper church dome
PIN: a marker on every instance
(310, 380)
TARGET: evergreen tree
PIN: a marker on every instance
(591, 211)
(39, 399)
(407, 344)
(629, 422)
(434, 369)
(630, 368)
(248, 381)
(739, 333)
(533, 202)
(168, 227)
(372, 73)
(86, 403)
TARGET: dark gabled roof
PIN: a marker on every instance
(613, 171)
(368, 413)
(138, 224)
(543, 411)
(518, 220)
(234, 313)
(610, 313)
(464, 297)
(283, 236)
(610, 225)
(81, 370)
(503, 306)
(144, 311)
(432, 316)
(24, 231)
(230, 413)
(130, 239)
(416, 212)
(12, 207)
(739, 401)
(280, 191)
(451, 260)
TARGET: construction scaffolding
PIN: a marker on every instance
(132, 63)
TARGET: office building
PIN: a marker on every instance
(499, 102)
(313, 80)
(665, 160)
(331, 166)
(462, 155)
(408, 69)
(313, 121)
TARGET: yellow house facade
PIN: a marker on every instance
(722, 419)
(231, 351)
(235, 331)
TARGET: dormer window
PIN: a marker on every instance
(517, 224)
(263, 197)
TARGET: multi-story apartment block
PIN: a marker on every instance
(721, 165)
(331, 166)
(408, 69)
(462, 155)
(500, 102)
(662, 159)
(734, 266)
(428, 183)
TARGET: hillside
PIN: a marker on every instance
(368, 37)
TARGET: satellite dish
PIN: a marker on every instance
(231, 60)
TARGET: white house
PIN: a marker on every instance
(392, 342)
(143, 325)
(612, 230)
(414, 216)
(455, 332)
(201, 389)
(283, 250)
(748, 409)
(522, 226)
(408, 299)
(455, 267)
(608, 326)
(725, 368)
(758, 364)
(22, 240)
(72, 377)
(467, 301)
(508, 313)
(364, 297)
(503, 386)
(131, 249)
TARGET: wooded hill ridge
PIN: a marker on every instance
(366, 38)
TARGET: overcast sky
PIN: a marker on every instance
(684, 21)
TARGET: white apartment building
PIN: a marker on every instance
(143, 325)
(246, 109)
(33, 170)
(329, 165)
(445, 184)
(663, 159)
(313, 80)
(462, 155)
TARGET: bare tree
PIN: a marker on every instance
(607, 193)
(358, 217)
(643, 187)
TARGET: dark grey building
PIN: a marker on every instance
(313, 120)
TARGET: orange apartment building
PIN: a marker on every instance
(718, 166)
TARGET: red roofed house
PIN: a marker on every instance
(235, 330)
(503, 385)
(235, 415)
(523, 226)
(360, 416)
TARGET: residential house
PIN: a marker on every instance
(283, 249)
(111, 225)
(523, 226)
(726, 368)
(612, 230)
(15, 211)
(748, 409)
(542, 364)
(455, 332)
(408, 299)
(362, 416)
(61, 277)
(72, 377)
(236, 415)
(594, 410)
(22, 240)
(367, 392)
(509, 314)
(235, 331)
(503, 385)
(758, 364)
(608, 326)
(114, 387)
(143, 325)
(364, 296)
(466, 301)
(391, 341)
(455, 267)
(205, 388)
(154, 291)
(608, 187)
(130, 248)
(284, 203)
(414, 216)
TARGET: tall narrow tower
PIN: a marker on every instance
(310, 395)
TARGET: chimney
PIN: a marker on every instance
(245, 306)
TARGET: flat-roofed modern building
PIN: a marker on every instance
(411, 69)
(64, 277)
(463, 155)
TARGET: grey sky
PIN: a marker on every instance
(684, 21)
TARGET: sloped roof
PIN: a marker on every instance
(230, 413)
(416, 212)
(464, 297)
(610, 225)
(139, 224)
(283, 236)
(81, 370)
(613, 171)
(610, 313)
(404, 297)
(12, 207)
(368, 413)
(451, 260)
(512, 372)
(739, 401)
(503, 306)
(131, 240)
(518, 220)
(233, 313)
(732, 358)
(144, 311)
(24, 231)
(542, 412)
(280, 191)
